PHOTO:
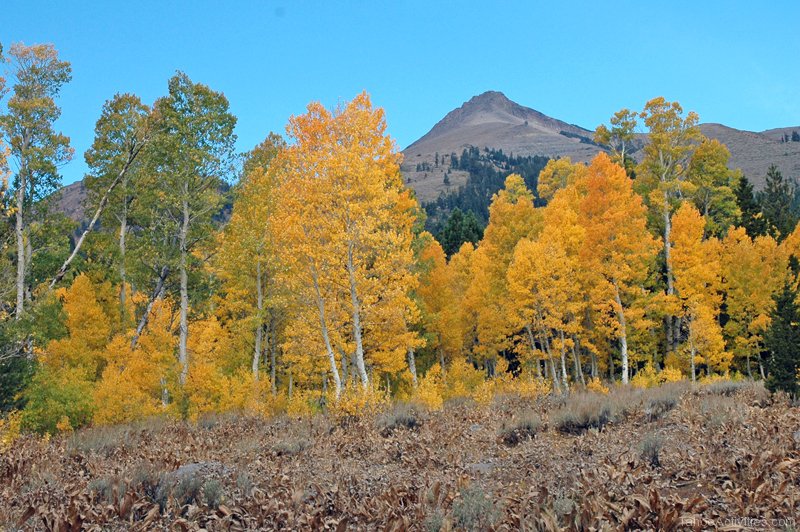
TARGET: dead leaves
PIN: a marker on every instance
(358, 479)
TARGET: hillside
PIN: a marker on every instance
(489, 120)
(671, 458)
(753, 152)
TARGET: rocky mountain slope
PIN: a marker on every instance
(491, 120)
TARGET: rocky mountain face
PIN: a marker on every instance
(491, 120)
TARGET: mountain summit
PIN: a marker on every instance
(489, 120)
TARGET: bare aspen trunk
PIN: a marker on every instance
(123, 229)
(623, 337)
(692, 354)
(552, 364)
(273, 355)
(183, 355)
(671, 334)
(564, 363)
(761, 369)
(356, 303)
(337, 382)
(20, 234)
(100, 208)
(594, 366)
(157, 293)
(259, 324)
(533, 348)
(577, 360)
(749, 371)
(441, 366)
(412, 366)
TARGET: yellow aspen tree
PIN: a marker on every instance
(89, 326)
(618, 248)
(663, 177)
(138, 382)
(698, 284)
(561, 222)
(511, 217)
(438, 299)
(465, 320)
(752, 272)
(619, 137)
(542, 300)
(558, 174)
(247, 259)
(345, 223)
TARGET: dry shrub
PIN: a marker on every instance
(719, 410)
(650, 447)
(102, 440)
(661, 400)
(583, 411)
(291, 447)
(213, 493)
(522, 429)
(726, 387)
(400, 416)
(475, 510)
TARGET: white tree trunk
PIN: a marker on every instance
(259, 321)
(356, 303)
(123, 229)
(623, 334)
(20, 234)
(183, 355)
(100, 208)
(337, 381)
(412, 366)
(564, 363)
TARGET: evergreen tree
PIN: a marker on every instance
(751, 218)
(460, 228)
(783, 343)
(777, 203)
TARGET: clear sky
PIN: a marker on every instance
(734, 62)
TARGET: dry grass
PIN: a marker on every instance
(708, 457)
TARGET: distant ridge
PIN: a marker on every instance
(491, 120)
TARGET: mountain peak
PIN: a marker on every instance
(494, 109)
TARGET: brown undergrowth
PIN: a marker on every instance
(663, 459)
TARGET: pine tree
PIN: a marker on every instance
(782, 340)
(750, 216)
(777, 201)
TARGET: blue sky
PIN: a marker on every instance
(732, 62)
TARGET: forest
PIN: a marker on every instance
(297, 277)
